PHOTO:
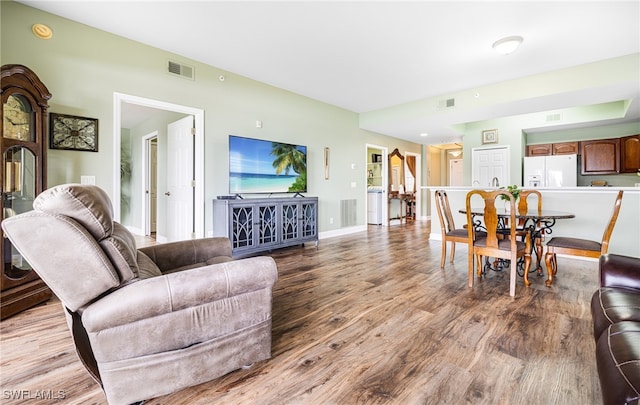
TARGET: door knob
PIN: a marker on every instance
(167, 193)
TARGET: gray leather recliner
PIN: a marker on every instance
(146, 322)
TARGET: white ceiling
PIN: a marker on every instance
(374, 55)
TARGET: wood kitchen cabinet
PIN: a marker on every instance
(564, 148)
(548, 149)
(539, 150)
(630, 154)
(601, 156)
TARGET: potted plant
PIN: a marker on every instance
(514, 191)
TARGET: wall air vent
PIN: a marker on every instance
(554, 117)
(180, 69)
(448, 103)
(348, 212)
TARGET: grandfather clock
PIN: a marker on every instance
(22, 178)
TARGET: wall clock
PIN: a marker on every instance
(73, 133)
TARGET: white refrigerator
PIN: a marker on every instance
(550, 171)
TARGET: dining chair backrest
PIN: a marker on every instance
(490, 216)
(444, 211)
(523, 203)
(612, 223)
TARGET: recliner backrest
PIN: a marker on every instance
(82, 252)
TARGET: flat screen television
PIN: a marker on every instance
(259, 166)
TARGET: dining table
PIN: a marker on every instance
(539, 223)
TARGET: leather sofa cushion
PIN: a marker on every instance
(120, 247)
(614, 304)
(147, 268)
(88, 205)
(618, 359)
(91, 207)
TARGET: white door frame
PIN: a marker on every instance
(118, 99)
(385, 182)
(146, 174)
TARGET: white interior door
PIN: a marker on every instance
(180, 180)
(490, 163)
(455, 172)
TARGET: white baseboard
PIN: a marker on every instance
(342, 231)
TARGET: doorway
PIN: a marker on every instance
(120, 103)
(377, 182)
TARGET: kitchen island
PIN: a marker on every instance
(592, 207)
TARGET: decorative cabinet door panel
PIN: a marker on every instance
(267, 224)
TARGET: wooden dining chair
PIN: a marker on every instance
(580, 247)
(536, 234)
(492, 245)
(448, 228)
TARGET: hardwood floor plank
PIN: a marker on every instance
(370, 318)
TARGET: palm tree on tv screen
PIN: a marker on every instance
(288, 157)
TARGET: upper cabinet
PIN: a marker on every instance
(539, 150)
(630, 154)
(601, 156)
(564, 148)
(548, 149)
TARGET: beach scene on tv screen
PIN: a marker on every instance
(261, 166)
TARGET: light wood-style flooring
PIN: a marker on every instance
(368, 318)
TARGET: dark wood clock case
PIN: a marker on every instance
(23, 129)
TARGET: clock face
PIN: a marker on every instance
(75, 133)
(17, 118)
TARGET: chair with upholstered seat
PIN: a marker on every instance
(536, 233)
(448, 228)
(145, 322)
(580, 247)
(492, 245)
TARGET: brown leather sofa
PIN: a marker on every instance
(145, 322)
(615, 309)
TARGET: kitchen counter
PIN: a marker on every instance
(592, 207)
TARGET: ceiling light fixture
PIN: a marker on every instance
(42, 31)
(507, 45)
(424, 134)
(455, 153)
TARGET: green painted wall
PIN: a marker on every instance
(82, 67)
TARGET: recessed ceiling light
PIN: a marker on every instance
(424, 134)
(41, 31)
(507, 45)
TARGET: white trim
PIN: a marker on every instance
(385, 182)
(146, 152)
(118, 99)
(342, 231)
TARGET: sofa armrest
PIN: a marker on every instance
(173, 292)
(619, 271)
(188, 253)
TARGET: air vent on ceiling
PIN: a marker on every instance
(448, 103)
(554, 117)
(180, 69)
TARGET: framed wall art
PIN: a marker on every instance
(73, 133)
(490, 136)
